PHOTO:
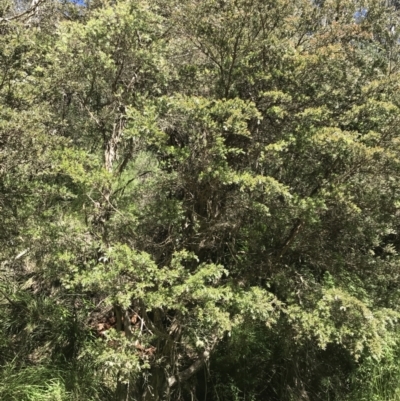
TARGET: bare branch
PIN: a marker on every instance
(28, 12)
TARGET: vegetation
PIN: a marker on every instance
(199, 200)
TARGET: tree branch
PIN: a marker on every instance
(293, 234)
(33, 8)
(194, 367)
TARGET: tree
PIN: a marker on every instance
(189, 171)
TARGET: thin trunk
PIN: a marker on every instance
(122, 391)
(123, 323)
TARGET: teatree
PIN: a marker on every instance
(36, 320)
(311, 75)
(183, 317)
(192, 169)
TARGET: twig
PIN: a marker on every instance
(28, 11)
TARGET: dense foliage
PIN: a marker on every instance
(199, 199)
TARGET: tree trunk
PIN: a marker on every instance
(122, 391)
(156, 388)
